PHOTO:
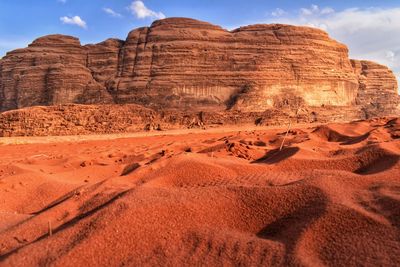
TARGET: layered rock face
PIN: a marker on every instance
(378, 89)
(192, 65)
(52, 70)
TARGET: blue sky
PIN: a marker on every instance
(371, 29)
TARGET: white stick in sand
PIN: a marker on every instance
(287, 132)
(284, 138)
(50, 229)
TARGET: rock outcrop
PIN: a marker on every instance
(377, 92)
(187, 64)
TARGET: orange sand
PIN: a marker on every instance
(330, 197)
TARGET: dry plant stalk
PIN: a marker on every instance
(50, 229)
(284, 138)
(287, 132)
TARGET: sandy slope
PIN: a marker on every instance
(330, 197)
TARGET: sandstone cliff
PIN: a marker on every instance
(193, 65)
(377, 94)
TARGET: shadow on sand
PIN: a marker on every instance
(276, 155)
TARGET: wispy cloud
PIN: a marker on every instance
(370, 33)
(278, 12)
(139, 10)
(62, 1)
(112, 13)
(75, 20)
(315, 10)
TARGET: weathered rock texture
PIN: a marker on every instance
(107, 119)
(193, 65)
(377, 94)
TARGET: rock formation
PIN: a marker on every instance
(187, 64)
(377, 93)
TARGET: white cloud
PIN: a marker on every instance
(314, 9)
(370, 33)
(278, 12)
(76, 20)
(112, 13)
(139, 9)
(327, 10)
(390, 55)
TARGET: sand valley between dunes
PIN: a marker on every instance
(331, 196)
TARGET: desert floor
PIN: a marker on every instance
(331, 196)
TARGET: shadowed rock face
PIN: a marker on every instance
(188, 64)
(377, 92)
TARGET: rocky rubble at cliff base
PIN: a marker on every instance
(107, 119)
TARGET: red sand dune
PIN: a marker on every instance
(330, 197)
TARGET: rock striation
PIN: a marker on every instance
(185, 64)
(377, 94)
(52, 70)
